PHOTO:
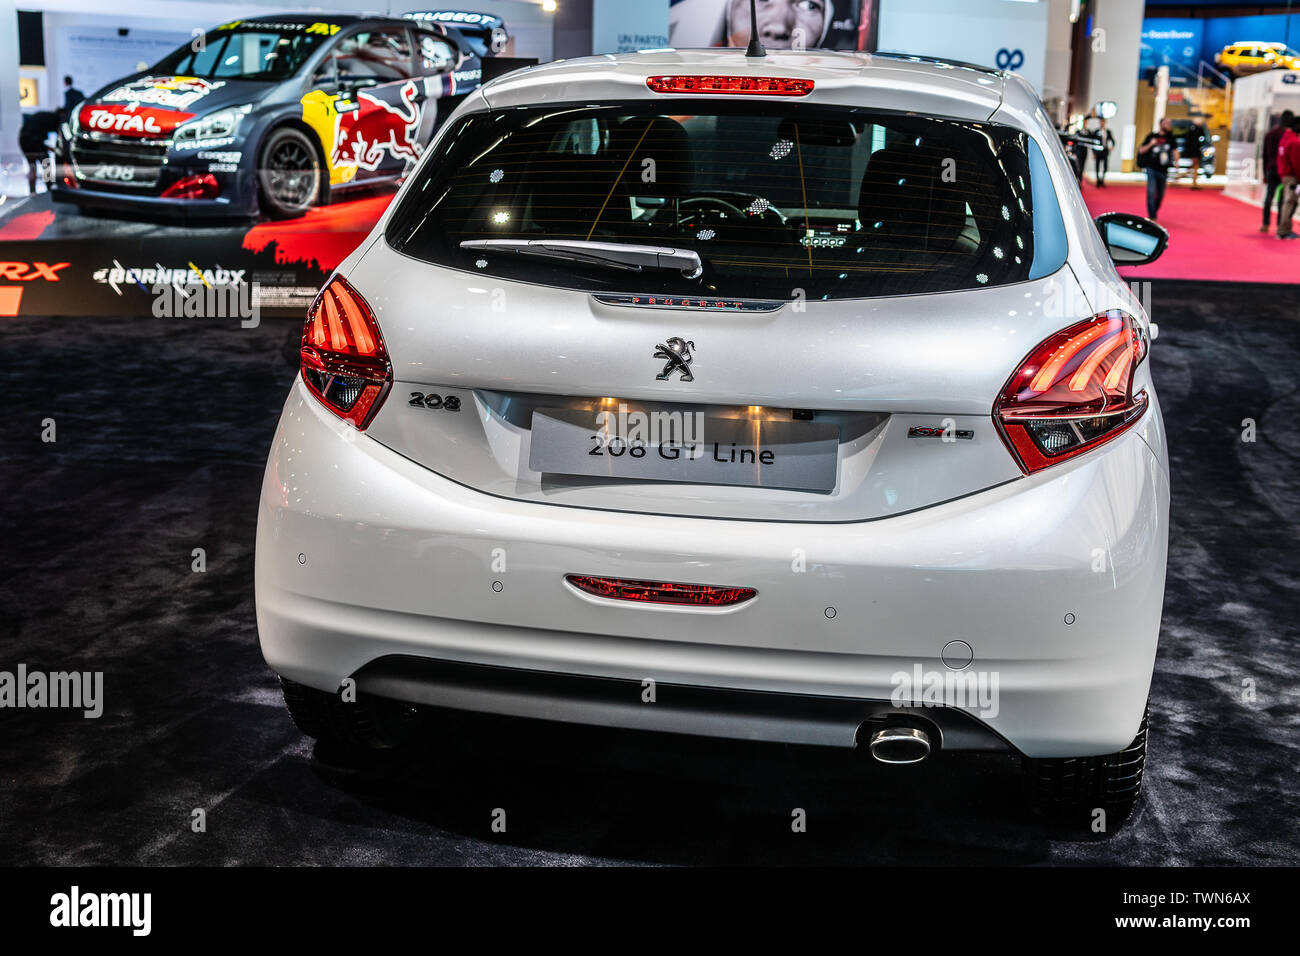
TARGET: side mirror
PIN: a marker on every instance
(1132, 240)
(350, 83)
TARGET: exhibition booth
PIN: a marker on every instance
(111, 252)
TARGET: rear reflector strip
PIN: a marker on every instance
(660, 592)
(735, 85)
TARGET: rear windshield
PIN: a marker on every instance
(779, 201)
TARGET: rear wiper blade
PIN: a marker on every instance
(616, 255)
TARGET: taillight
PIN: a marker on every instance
(738, 85)
(344, 362)
(1074, 391)
(660, 592)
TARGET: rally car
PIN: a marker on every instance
(266, 116)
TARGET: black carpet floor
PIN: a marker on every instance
(162, 429)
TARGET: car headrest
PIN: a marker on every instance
(567, 190)
(663, 140)
(905, 200)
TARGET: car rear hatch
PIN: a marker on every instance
(903, 386)
(867, 285)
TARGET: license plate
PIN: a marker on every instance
(685, 447)
(119, 173)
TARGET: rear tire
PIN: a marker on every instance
(289, 174)
(1075, 787)
(369, 723)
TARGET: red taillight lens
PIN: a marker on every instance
(738, 85)
(660, 592)
(344, 361)
(200, 186)
(1074, 391)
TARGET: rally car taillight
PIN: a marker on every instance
(344, 362)
(1074, 391)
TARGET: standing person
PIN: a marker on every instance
(1195, 140)
(32, 140)
(1156, 154)
(1080, 154)
(1272, 180)
(1288, 168)
(1105, 143)
(71, 97)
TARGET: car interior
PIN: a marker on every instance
(852, 199)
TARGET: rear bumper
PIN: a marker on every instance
(673, 708)
(364, 556)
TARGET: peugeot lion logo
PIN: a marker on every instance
(677, 353)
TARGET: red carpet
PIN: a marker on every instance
(327, 234)
(1211, 237)
(27, 225)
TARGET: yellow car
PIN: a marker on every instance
(1240, 59)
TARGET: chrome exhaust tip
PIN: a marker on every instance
(900, 745)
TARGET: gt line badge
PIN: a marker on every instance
(677, 353)
(939, 431)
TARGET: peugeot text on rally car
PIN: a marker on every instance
(484, 33)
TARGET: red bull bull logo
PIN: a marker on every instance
(377, 130)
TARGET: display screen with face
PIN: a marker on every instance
(782, 24)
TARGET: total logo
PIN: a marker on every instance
(138, 122)
(123, 122)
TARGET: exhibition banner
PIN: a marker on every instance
(782, 24)
(991, 33)
(56, 262)
(1177, 43)
(1184, 43)
(620, 27)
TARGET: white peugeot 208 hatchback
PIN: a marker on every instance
(792, 398)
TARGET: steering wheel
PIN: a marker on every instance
(716, 213)
(714, 205)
